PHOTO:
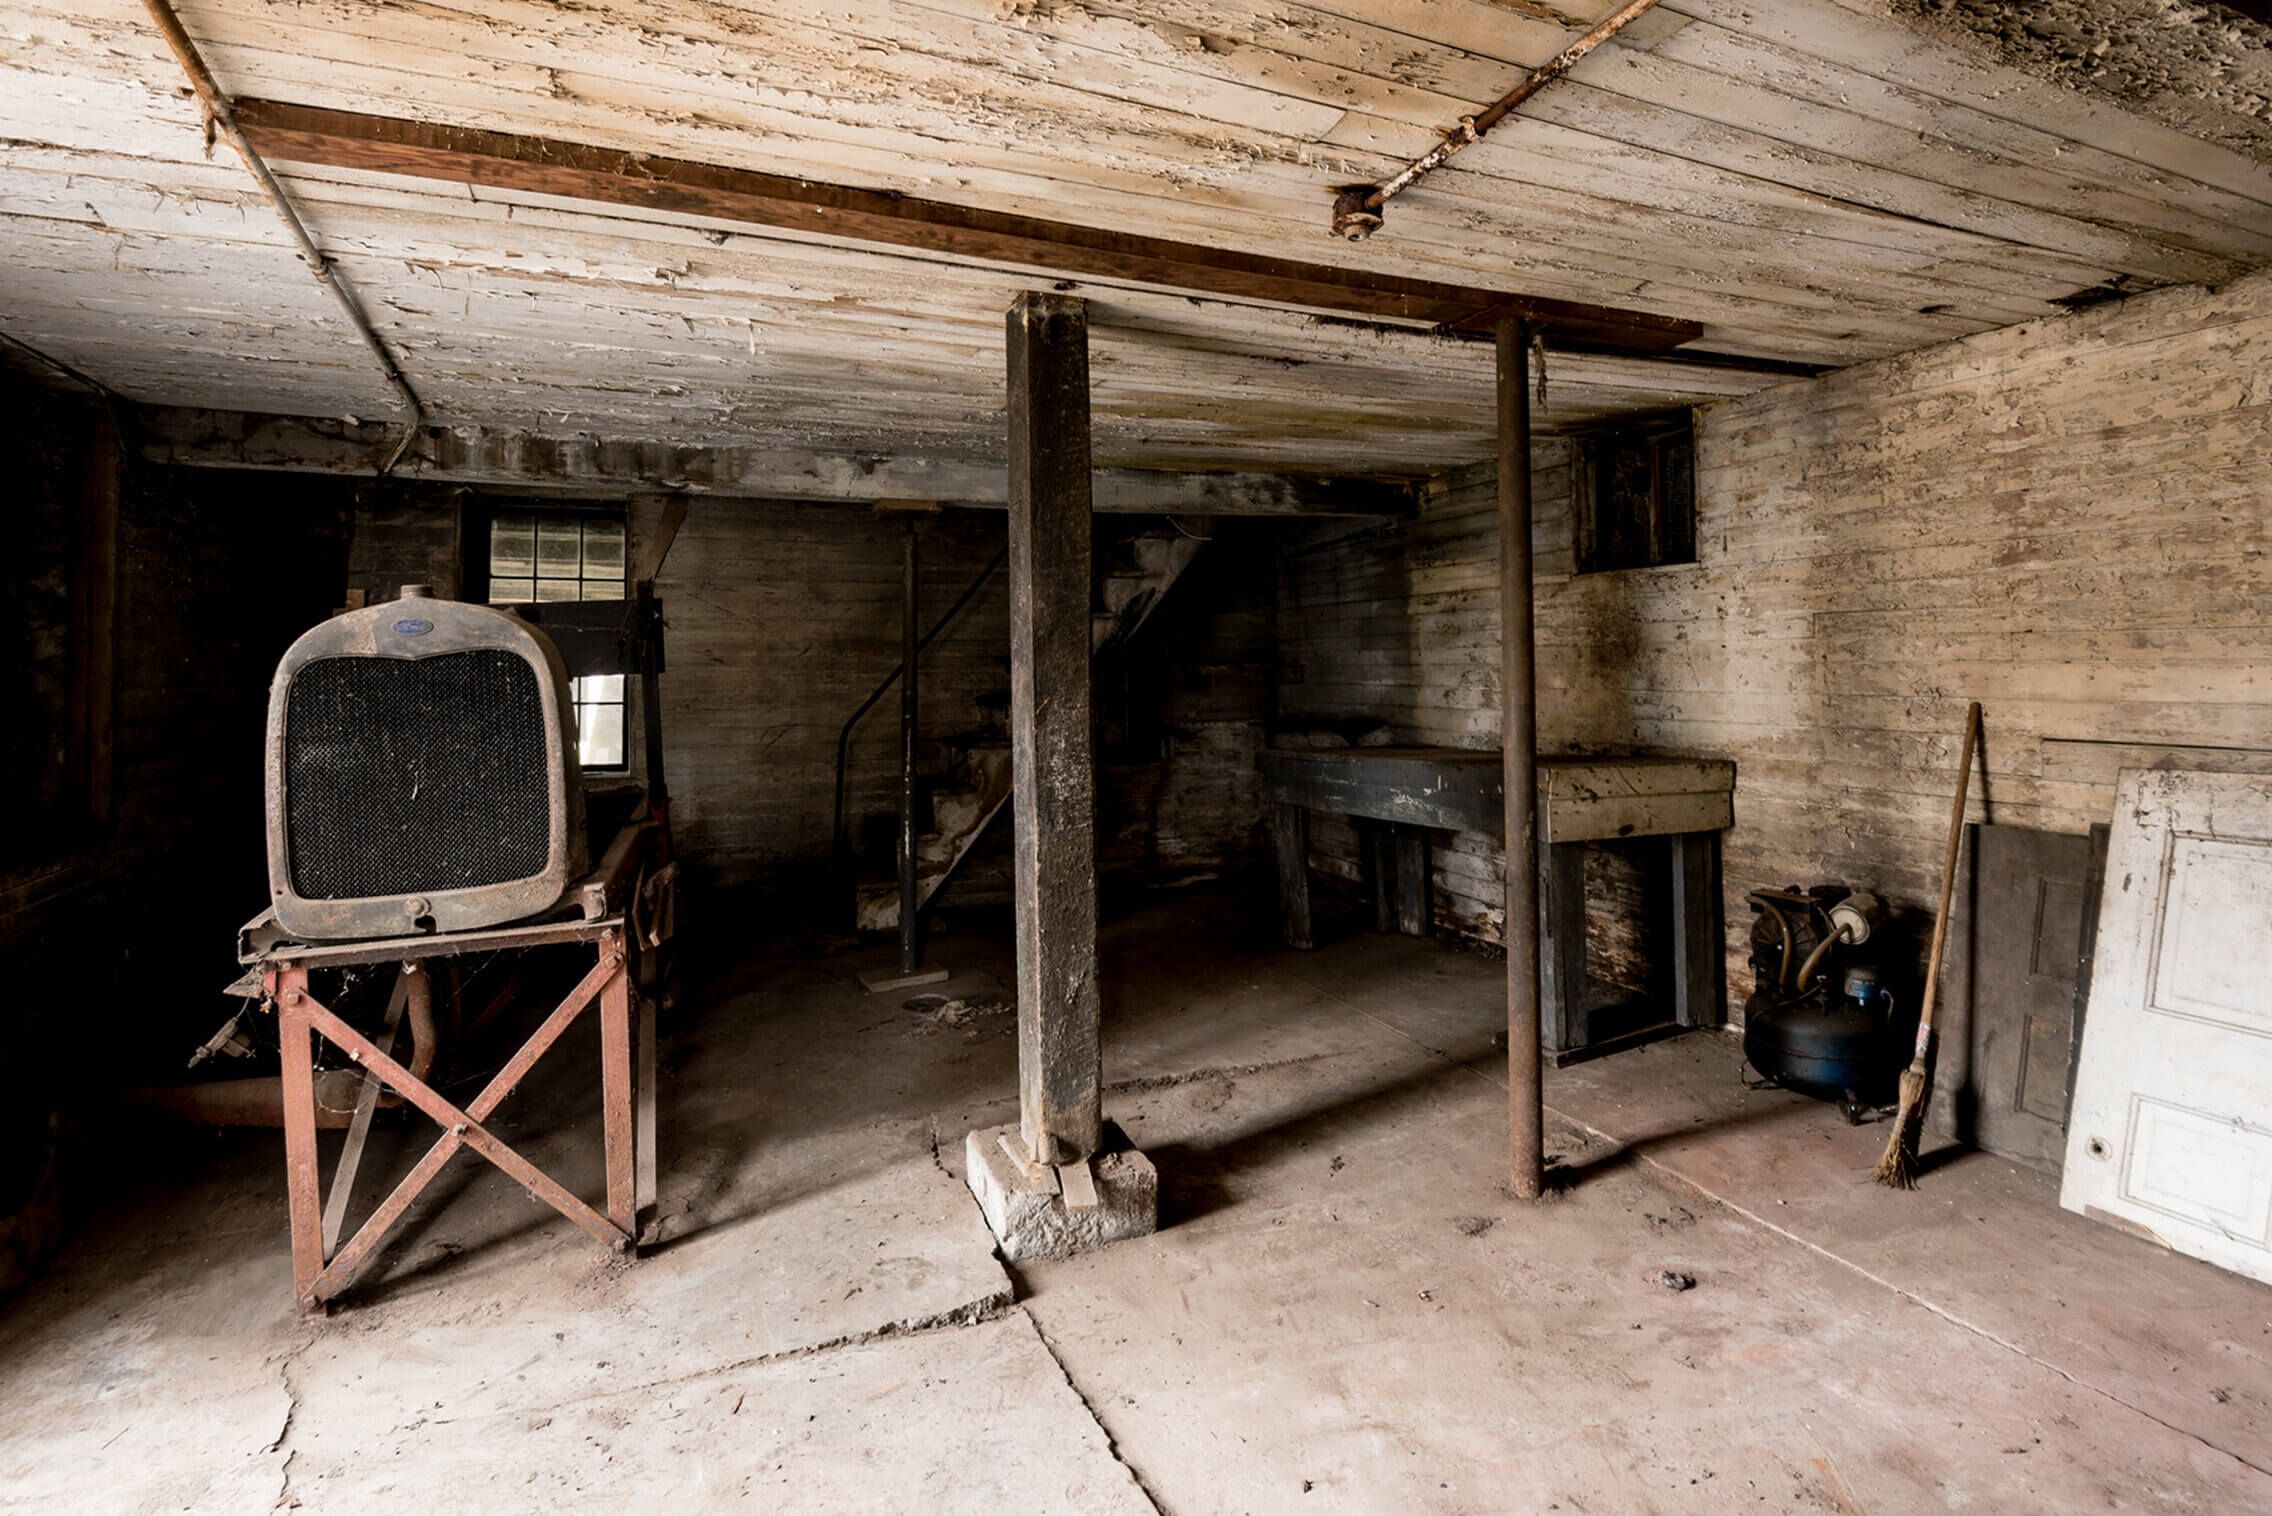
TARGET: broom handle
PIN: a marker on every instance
(1948, 876)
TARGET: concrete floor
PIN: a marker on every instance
(1343, 1311)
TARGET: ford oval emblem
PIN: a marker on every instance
(411, 626)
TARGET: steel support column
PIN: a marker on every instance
(1518, 692)
(910, 942)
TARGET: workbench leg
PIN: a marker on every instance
(1698, 977)
(303, 1188)
(616, 1096)
(1562, 947)
(1379, 862)
(1290, 826)
(1415, 907)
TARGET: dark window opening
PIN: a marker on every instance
(1635, 493)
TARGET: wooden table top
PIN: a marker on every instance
(1582, 797)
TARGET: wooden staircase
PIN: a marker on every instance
(1131, 588)
(959, 817)
(1130, 585)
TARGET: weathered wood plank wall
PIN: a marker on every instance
(406, 536)
(215, 575)
(2067, 520)
(782, 618)
(1201, 666)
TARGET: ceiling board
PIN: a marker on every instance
(1808, 179)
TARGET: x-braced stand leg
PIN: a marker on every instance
(319, 1273)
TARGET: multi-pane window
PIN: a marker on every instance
(564, 556)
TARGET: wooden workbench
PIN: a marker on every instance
(1412, 790)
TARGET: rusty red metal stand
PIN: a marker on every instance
(626, 1079)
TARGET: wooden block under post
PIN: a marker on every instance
(1040, 1176)
(1077, 1185)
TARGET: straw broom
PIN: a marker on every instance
(1898, 1167)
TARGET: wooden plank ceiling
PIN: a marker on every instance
(1810, 180)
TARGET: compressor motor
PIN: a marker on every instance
(1817, 1018)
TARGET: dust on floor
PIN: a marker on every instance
(1344, 1307)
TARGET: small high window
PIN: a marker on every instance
(1634, 493)
(566, 555)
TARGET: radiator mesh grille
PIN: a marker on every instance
(407, 776)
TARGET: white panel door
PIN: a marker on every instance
(2172, 1124)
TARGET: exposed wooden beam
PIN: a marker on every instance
(507, 459)
(578, 171)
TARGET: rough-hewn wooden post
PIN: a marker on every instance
(1053, 770)
(1518, 741)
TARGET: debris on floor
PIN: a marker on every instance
(941, 1012)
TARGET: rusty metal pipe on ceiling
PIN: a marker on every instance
(224, 118)
(1357, 209)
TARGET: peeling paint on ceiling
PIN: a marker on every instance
(2204, 69)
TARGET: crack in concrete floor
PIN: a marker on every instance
(1111, 1443)
(1010, 1275)
(1937, 1309)
(284, 1367)
(1294, 1083)
(1596, 1143)
(1620, 1145)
